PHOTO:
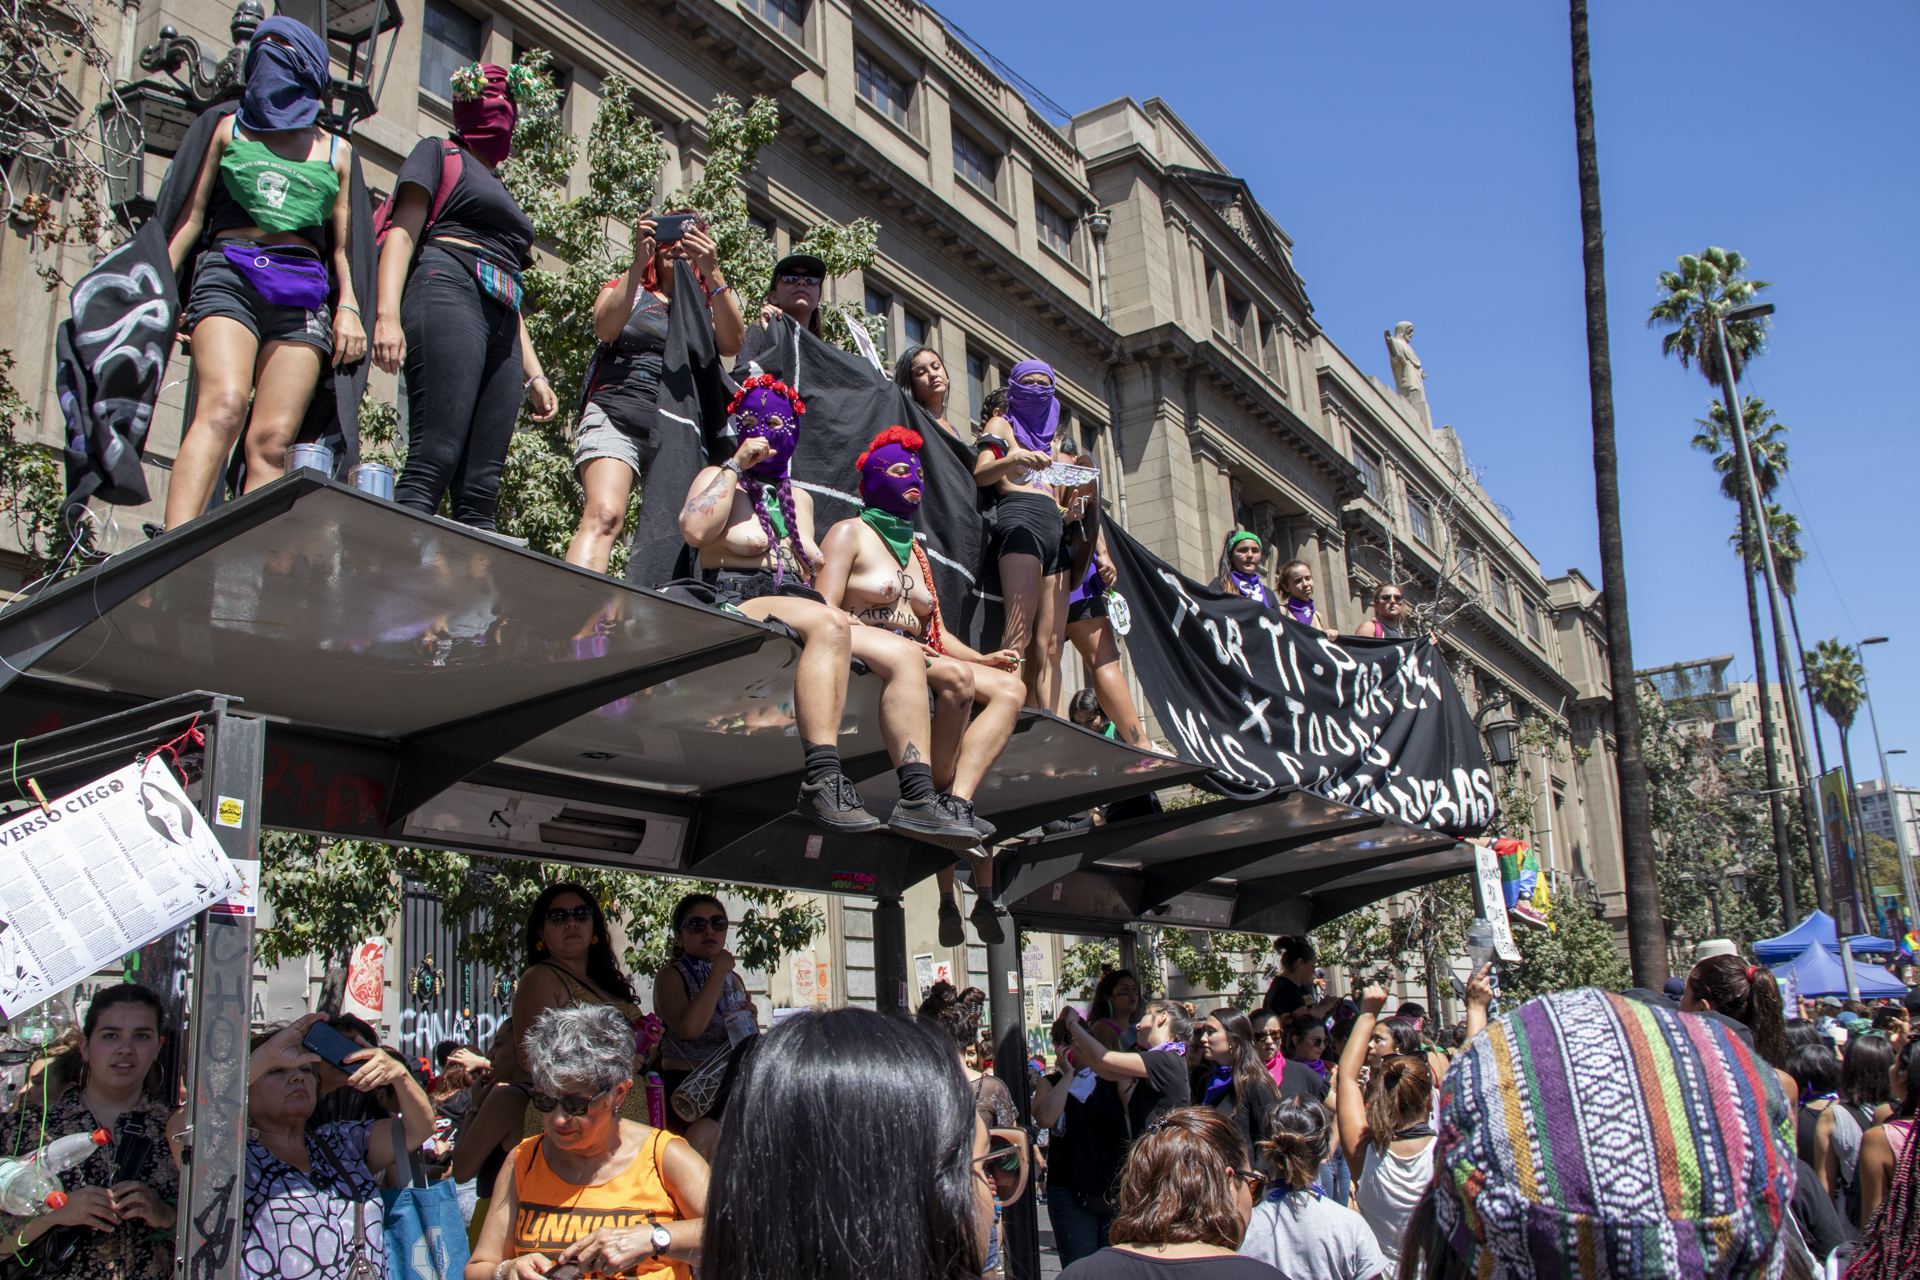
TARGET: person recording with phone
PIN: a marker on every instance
(313, 1205)
(618, 435)
(121, 1198)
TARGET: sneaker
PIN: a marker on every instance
(835, 805)
(962, 811)
(953, 930)
(986, 921)
(929, 821)
(1074, 822)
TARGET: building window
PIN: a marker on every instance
(788, 17)
(1269, 349)
(917, 329)
(1237, 322)
(449, 40)
(1056, 228)
(887, 92)
(1502, 592)
(1530, 618)
(976, 384)
(1369, 463)
(880, 306)
(1466, 566)
(1420, 517)
(976, 165)
(763, 225)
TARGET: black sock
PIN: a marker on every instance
(916, 782)
(822, 763)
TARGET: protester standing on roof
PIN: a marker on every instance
(792, 291)
(1240, 569)
(450, 312)
(1016, 448)
(618, 435)
(272, 302)
(1296, 596)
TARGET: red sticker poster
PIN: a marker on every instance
(366, 979)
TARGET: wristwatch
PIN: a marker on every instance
(733, 466)
(662, 1239)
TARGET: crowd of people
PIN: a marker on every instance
(1698, 1131)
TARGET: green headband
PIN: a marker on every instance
(1243, 536)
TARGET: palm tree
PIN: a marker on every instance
(1646, 935)
(1787, 555)
(1838, 681)
(1703, 289)
(1769, 452)
(1697, 299)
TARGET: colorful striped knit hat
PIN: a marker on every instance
(1588, 1135)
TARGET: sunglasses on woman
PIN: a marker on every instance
(700, 924)
(807, 280)
(1004, 1167)
(560, 915)
(573, 1104)
(1256, 1182)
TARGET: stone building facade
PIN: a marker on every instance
(1114, 245)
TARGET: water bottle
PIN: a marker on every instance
(740, 1025)
(1479, 943)
(1118, 613)
(656, 1100)
(31, 1186)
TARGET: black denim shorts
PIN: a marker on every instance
(222, 289)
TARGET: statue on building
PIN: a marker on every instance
(1409, 379)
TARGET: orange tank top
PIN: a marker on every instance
(555, 1213)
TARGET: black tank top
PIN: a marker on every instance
(626, 378)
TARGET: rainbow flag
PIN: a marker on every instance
(1911, 942)
(1522, 884)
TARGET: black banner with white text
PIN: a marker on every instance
(1274, 705)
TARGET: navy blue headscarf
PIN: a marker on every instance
(284, 86)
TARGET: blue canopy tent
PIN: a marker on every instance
(1816, 928)
(1818, 972)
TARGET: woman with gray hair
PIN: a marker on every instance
(612, 1196)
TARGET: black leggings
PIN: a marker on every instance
(463, 388)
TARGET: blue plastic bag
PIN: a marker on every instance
(426, 1238)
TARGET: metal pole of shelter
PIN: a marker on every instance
(213, 1184)
(890, 956)
(1019, 1223)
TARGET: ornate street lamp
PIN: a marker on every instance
(1502, 734)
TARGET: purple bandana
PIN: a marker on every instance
(1033, 411)
(1301, 610)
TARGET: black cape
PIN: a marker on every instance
(111, 355)
(1273, 705)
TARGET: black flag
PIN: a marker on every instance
(1273, 705)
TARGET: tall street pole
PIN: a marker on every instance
(1646, 935)
(1808, 804)
(1900, 836)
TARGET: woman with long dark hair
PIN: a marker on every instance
(799, 1190)
(1386, 1132)
(272, 302)
(617, 441)
(1745, 991)
(451, 312)
(569, 961)
(1184, 1199)
(924, 375)
(1239, 1087)
(1239, 574)
(115, 1226)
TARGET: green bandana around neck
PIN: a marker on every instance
(895, 532)
(778, 519)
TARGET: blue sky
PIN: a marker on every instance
(1422, 159)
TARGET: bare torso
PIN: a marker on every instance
(882, 592)
(744, 546)
(1022, 481)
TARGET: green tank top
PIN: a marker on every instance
(280, 195)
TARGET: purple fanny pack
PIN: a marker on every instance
(285, 277)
